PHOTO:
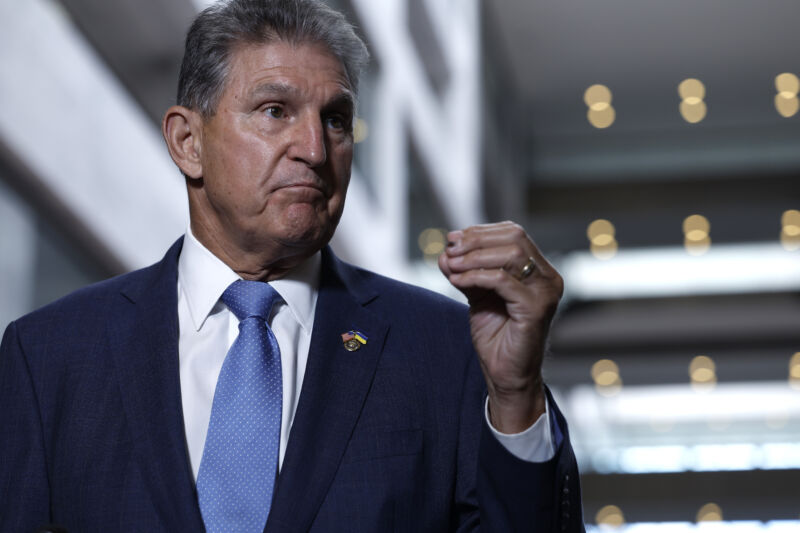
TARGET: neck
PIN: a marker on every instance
(251, 261)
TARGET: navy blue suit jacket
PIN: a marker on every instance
(387, 438)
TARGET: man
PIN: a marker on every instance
(252, 381)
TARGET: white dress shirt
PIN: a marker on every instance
(207, 329)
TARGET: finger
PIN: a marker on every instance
(498, 235)
(484, 236)
(444, 265)
(497, 280)
(539, 302)
(511, 257)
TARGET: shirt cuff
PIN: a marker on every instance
(535, 444)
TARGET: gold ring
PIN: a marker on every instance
(528, 269)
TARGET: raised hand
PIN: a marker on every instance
(513, 293)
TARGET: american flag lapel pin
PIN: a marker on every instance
(353, 340)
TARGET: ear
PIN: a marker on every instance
(182, 130)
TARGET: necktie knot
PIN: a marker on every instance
(250, 299)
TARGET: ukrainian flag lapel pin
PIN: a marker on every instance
(353, 340)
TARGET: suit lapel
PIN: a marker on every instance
(335, 386)
(146, 354)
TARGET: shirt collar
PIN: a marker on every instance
(203, 277)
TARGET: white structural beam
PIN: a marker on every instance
(69, 120)
(671, 271)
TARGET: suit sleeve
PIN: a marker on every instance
(24, 493)
(511, 494)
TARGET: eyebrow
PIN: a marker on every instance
(343, 98)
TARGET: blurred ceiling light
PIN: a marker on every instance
(692, 92)
(605, 374)
(786, 102)
(669, 271)
(790, 220)
(609, 516)
(794, 371)
(604, 252)
(599, 229)
(787, 106)
(794, 366)
(696, 234)
(602, 119)
(790, 230)
(702, 372)
(640, 405)
(710, 512)
(431, 241)
(597, 97)
(601, 233)
(787, 84)
(692, 88)
(360, 131)
(701, 366)
(601, 113)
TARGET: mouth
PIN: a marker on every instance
(303, 188)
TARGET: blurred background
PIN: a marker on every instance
(652, 149)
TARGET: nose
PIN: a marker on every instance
(308, 141)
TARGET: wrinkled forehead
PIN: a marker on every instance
(249, 61)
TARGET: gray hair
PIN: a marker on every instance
(228, 23)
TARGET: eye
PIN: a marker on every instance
(336, 122)
(274, 111)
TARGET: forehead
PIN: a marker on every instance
(306, 66)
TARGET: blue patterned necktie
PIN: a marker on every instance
(240, 458)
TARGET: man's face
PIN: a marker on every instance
(276, 155)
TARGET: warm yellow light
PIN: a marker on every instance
(696, 223)
(601, 118)
(702, 372)
(693, 113)
(790, 217)
(697, 248)
(603, 240)
(696, 235)
(604, 252)
(710, 512)
(790, 243)
(786, 105)
(605, 374)
(692, 88)
(794, 366)
(431, 241)
(360, 131)
(610, 516)
(599, 228)
(597, 97)
(692, 108)
(790, 232)
(696, 232)
(604, 366)
(601, 113)
(787, 83)
(703, 375)
(702, 362)
(601, 235)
